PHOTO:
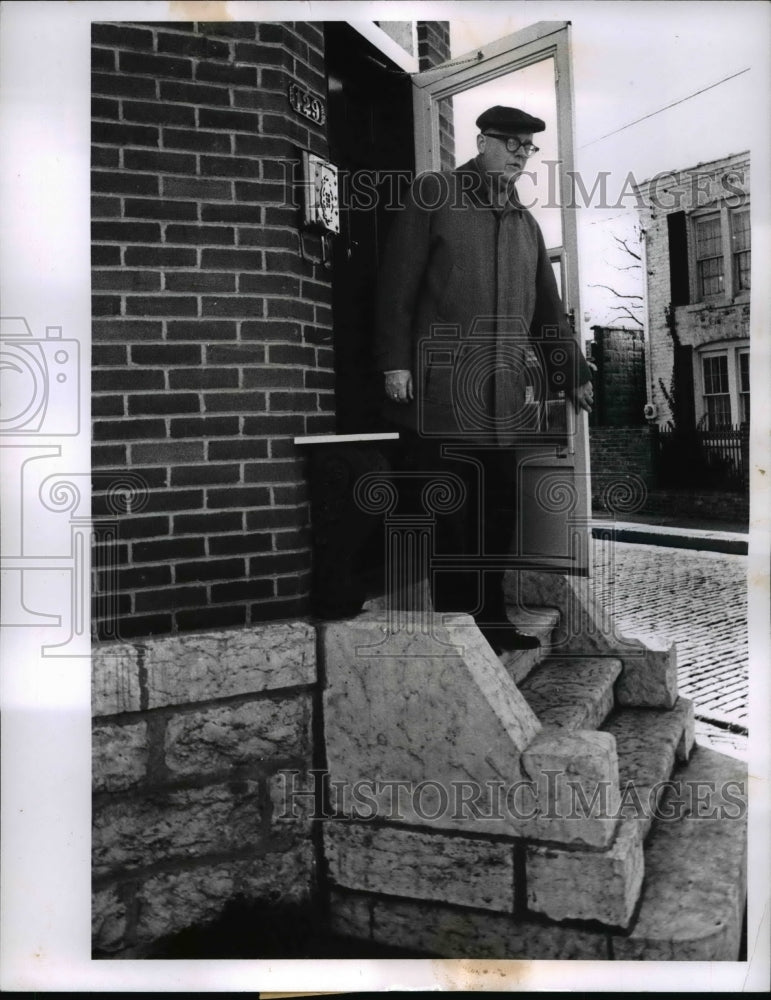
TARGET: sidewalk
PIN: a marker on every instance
(703, 535)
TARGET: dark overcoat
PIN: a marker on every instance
(468, 302)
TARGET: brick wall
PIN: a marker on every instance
(704, 186)
(434, 48)
(620, 380)
(211, 334)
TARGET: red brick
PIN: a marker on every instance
(155, 256)
(166, 354)
(150, 64)
(237, 449)
(145, 208)
(105, 107)
(121, 35)
(204, 427)
(201, 235)
(277, 517)
(120, 86)
(210, 618)
(253, 541)
(205, 475)
(290, 354)
(205, 330)
(105, 256)
(167, 549)
(102, 59)
(169, 598)
(273, 378)
(203, 378)
(236, 305)
(193, 93)
(238, 260)
(105, 305)
(122, 430)
(121, 279)
(197, 281)
(236, 354)
(248, 590)
(154, 526)
(212, 569)
(118, 134)
(125, 232)
(243, 497)
(228, 166)
(102, 156)
(289, 425)
(109, 454)
(167, 402)
(228, 29)
(166, 452)
(160, 160)
(197, 187)
(201, 47)
(242, 76)
(205, 524)
(234, 402)
(198, 141)
(142, 625)
(125, 379)
(145, 576)
(275, 610)
(108, 406)
(237, 213)
(161, 305)
(162, 113)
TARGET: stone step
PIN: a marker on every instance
(539, 622)
(691, 905)
(572, 693)
(649, 741)
(695, 867)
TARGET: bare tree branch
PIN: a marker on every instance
(619, 295)
(623, 311)
(626, 247)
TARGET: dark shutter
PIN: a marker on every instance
(678, 259)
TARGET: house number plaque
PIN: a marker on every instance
(307, 104)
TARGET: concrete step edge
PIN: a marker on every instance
(649, 741)
(572, 692)
(695, 883)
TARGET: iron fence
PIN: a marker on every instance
(717, 459)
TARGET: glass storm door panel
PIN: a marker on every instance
(529, 70)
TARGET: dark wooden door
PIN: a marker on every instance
(370, 129)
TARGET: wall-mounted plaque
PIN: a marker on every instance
(307, 104)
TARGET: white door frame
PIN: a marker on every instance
(544, 40)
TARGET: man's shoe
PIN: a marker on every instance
(507, 637)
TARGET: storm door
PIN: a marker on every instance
(530, 70)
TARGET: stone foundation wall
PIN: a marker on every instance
(189, 734)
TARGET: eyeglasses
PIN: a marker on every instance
(513, 144)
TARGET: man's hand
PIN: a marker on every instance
(583, 398)
(398, 386)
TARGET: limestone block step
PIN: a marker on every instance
(572, 693)
(648, 743)
(695, 867)
(539, 622)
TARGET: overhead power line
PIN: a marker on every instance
(666, 108)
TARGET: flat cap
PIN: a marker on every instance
(508, 121)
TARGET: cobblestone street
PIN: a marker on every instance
(699, 600)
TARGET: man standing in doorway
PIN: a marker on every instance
(470, 330)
